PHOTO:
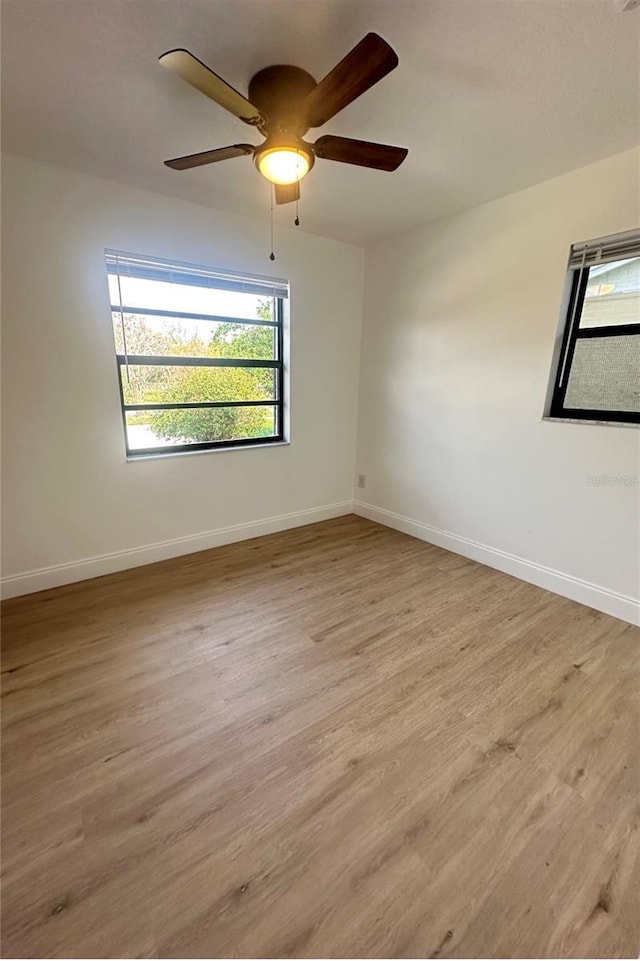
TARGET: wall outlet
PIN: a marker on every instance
(362, 480)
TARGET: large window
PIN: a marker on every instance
(596, 373)
(199, 354)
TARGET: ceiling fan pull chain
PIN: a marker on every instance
(272, 256)
(297, 219)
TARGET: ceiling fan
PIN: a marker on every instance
(284, 102)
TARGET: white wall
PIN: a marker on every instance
(68, 492)
(459, 325)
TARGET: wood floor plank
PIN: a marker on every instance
(337, 741)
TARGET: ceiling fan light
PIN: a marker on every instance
(283, 165)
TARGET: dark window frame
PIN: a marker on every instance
(276, 364)
(571, 334)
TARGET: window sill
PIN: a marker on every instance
(590, 423)
(137, 458)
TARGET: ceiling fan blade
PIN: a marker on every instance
(369, 61)
(287, 193)
(209, 156)
(380, 156)
(185, 65)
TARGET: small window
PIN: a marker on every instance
(596, 372)
(199, 354)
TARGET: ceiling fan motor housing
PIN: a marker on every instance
(279, 92)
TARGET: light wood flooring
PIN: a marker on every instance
(333, 742)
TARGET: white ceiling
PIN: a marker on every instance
(490, 96)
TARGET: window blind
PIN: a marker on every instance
(605, 249)
(146, 268)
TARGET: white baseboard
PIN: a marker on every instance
(618, 605)
(58, 574)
